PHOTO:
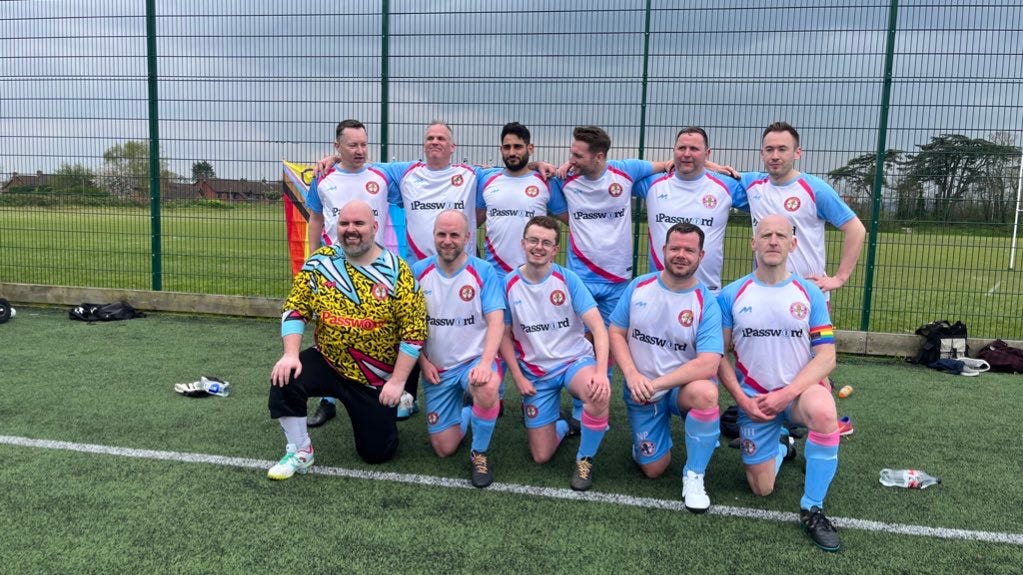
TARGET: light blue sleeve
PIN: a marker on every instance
(642, 188)
(292, 326)
(418, 267)
(312, 198)
(635, 169)
(830, 206)
(557, 205)
(819, 314)
(582, 300)
(394, 171)
(483, 175)
(709, 338)
(741, 199)
(492, 297)
(621, 315)
(504, 296)
(725, 300)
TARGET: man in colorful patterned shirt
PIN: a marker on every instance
(370, 325)
(465, 322)
(350, 179)
(778, 326)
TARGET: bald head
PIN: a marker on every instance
(450, 237)
(773, 241)
(774, 221)
(357, 209)
(356, 229)
(452, 218)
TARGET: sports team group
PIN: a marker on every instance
(438, 314)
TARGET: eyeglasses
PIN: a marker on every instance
(533, 242)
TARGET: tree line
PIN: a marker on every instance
(952, 178)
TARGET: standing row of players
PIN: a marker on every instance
(546, 306)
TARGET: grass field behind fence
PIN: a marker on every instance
(111, 384)
(930, 273)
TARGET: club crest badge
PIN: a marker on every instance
(557, 297)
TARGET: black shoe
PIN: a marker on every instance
(324, 413)
(790, 446)
(582, 478)
(574, 427)
(820, 529)
(481, 475)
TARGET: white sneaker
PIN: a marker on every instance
(978, 365)
(294, 461)
(693, 493)
(407, 406)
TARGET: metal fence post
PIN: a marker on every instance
(385, 54)
(154, 148)
(879, 181)
(636, 212)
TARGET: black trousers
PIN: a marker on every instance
(373, 425)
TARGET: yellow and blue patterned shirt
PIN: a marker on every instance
(364, 315)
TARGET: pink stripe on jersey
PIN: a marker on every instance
(619, 172)
(809, 191)
(699, 298)
(492, 178)
(646, 281)
(412, 167)
(519, 353)
(419, 253)
(825, 439)
(802, 290)
(557, 274)
(653, 252)
(747, 379)
(705, 414)
(756, 183)
(475, 275)
(593, 267)
(428, 269)
(377, 172)
(718, 182)
(493, 253)
(508, 286)
(738, 294)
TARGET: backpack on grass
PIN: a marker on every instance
(942, 340)
(104, 312)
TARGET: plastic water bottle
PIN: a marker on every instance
(911, 478)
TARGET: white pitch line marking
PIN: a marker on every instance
(554, 493)
(994, 287)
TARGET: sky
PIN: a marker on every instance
(246, 84)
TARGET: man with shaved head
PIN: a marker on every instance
(370, 325)
(777, 325)
(465, 324)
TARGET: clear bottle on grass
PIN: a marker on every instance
(909, 478)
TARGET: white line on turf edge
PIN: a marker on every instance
(612, 498)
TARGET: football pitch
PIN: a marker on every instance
(106, 470)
